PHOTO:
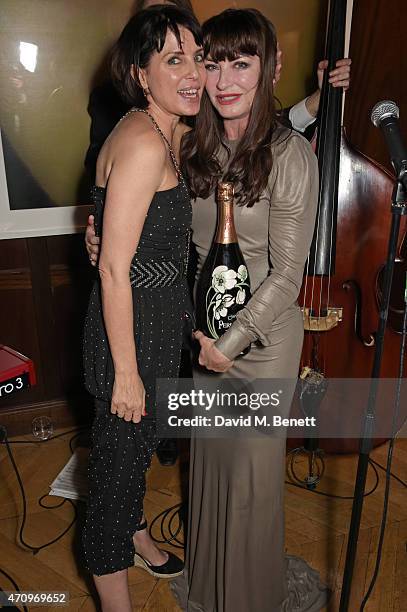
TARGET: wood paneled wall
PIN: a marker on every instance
(44, 289)
(379, 68)
(45, 282)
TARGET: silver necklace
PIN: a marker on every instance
(165, 139)
(176, 166)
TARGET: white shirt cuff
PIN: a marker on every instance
(300, 117)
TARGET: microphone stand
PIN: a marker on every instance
(398, 209)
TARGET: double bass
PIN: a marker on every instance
(341, 292)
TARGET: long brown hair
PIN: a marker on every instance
(226, 36)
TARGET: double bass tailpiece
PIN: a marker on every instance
(323, 320)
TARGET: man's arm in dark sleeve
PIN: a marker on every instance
(105, 109)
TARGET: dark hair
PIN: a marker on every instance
(226, 36)
(184, 4)
(144, 35)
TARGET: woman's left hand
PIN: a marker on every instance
(210, 356)
(339, 76)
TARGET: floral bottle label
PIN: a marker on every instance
(226, 295)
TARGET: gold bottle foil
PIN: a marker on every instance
(225, 192)
(225, 229)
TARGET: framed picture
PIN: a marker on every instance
(44, 220)
(52, 56)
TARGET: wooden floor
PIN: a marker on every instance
(316, 528)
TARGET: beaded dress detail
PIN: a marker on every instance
(160, 296)
(121, 451)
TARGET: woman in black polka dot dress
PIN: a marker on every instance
(133, 331)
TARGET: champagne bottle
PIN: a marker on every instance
(224, 284)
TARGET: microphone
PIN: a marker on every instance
(385, 115)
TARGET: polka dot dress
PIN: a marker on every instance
(121, 451)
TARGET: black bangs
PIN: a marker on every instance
(230, 34)
(167, 17)
(144, 35)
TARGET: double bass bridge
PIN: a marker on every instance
(323, 320)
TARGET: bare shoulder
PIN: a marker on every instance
(136, 135)
(133, 140)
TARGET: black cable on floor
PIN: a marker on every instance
(181, 509)
(15, 585)
(35, 549)
(389, 456)
(305, 488)
(74, 438)
(169, 514)
(64, 433)
(382, 467)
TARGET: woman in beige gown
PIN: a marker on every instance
(235, 550)
(235, 559)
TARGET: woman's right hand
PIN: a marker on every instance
(92, 242)
(129, 397)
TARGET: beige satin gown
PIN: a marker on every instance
(235, 558)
